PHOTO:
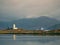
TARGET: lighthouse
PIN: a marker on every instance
(14, 26)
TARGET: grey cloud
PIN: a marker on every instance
(16, 9)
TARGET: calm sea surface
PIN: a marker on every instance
(10, 39)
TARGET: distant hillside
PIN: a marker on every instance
(32, 23)
(56, 26)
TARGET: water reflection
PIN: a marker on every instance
(14, 37)
(29, 40)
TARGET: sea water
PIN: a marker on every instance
(17, 39)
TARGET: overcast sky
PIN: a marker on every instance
(16, 9)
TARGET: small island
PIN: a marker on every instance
(16, 30)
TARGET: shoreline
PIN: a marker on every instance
(31, 32)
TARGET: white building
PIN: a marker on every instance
(14, 26)
(42, 28)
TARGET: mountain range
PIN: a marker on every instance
(54, 27)
(32, 23)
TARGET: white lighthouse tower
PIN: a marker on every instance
(14, 26)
